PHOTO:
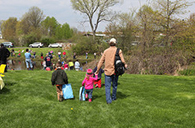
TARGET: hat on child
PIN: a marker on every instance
(89, 72)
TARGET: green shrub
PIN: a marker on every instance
(47, 40)
(85, 44)
(29, 39)
(187, 72)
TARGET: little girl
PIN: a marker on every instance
(88, 83)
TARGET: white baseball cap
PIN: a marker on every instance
(113, 40)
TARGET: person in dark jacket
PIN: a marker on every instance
(59, 78)
(48, 60)
(4, 54)
(98, 82)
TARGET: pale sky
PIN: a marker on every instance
(62, 10)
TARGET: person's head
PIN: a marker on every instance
(58, 64)
(27, 50)
(2, 45)
(89, 73)
(112, 42)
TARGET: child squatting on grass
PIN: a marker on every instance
(59, 78)
(88, 83)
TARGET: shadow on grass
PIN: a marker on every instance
(9, 83)
(121, 95)
(96, 97)
(4, 90)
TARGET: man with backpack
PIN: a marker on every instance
(108, 58)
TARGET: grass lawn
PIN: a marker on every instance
(143, 101)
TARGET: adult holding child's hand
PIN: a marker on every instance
(108, 58)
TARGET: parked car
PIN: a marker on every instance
(55, 45)
(8, 44)
(36, 44)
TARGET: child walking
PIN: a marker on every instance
(88, 83)
(59, 78)
(98, 82)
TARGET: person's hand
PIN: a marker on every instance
(96, 73)
(126, 66)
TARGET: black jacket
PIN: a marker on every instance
(59, 77)
(4, 54)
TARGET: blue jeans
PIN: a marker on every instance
(28, 62)
(89, 92)
(108, 80)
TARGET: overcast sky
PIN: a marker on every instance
(62, 10)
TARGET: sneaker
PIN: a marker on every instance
(90, 100)
(86, 95)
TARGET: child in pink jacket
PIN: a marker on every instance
(88, 83)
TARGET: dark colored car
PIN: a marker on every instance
(8, 44)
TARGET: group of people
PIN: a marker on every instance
(59, 76)
(46, 63)
(109, 70)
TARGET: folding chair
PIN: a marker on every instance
(2, 70)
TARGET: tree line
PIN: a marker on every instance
(154, 37)
(33, 27)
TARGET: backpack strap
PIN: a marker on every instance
(117, 52)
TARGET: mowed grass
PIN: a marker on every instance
(143, 101)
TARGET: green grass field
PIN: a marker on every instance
(143, 101)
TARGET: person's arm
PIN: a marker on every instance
(122, 58)
(8, 53)
(100, 63)
(96, 77)
(65, 77)
(83, 83)
(53, 78)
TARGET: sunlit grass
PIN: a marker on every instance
(143, 101)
